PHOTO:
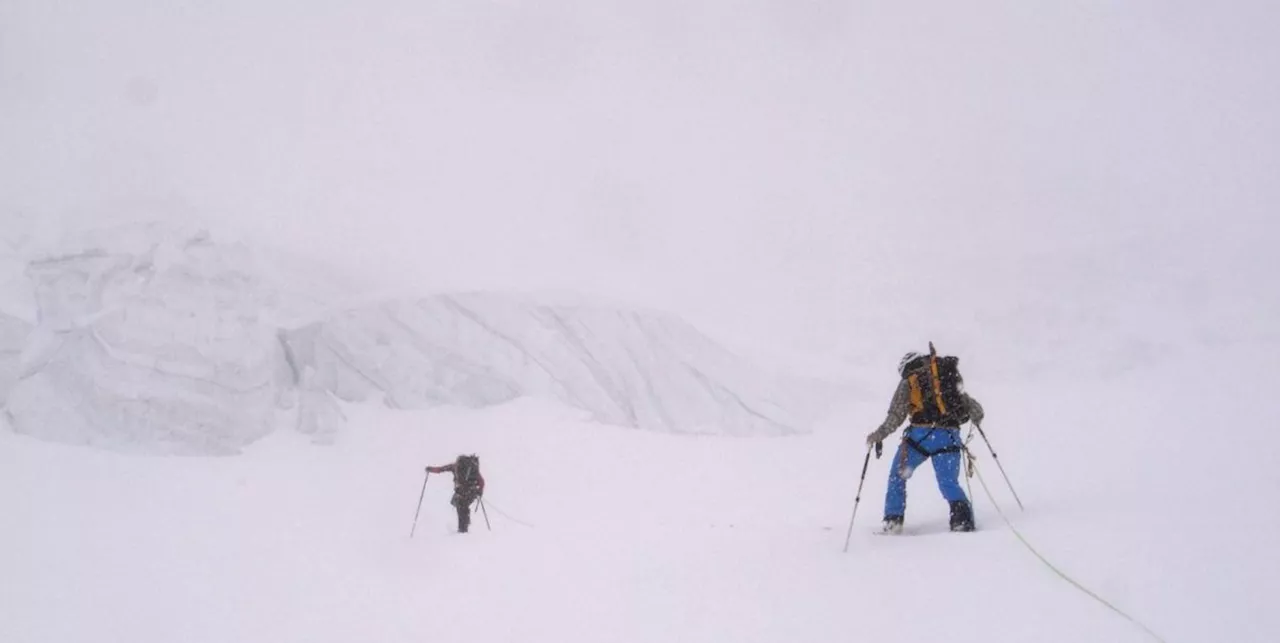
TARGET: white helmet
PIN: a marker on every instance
(907, 359)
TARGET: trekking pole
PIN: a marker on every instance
(969, 461)
(968, 473)
(1001, 467)
(858, 498)
(420, 496)
(485, 513)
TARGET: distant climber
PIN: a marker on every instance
(468, 486)
(930, 392)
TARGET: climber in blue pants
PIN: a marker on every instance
(920, 443)
(931, 392)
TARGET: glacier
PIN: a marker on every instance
(624, 367)
(164, 339)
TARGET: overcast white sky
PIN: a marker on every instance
(758, 165)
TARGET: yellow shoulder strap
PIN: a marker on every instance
(917, 396)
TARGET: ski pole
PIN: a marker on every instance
(968, 464)
(420, 497)
(858, 498)
(1000, 466)
(484, 512)
(969, 468)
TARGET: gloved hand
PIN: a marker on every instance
(874, 437)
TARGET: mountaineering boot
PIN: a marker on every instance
(961, 516)
(892, 525)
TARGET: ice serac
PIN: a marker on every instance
(163, 339)
(148, 340)
(624, 367)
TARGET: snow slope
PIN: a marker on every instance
(624, 367)
(643, 537)
(160, 338)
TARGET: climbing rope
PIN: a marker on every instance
(974, 470)
(498, 510)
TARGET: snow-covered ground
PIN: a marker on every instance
(1078, 199)
(1144, 488)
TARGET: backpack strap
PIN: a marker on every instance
(917, 395)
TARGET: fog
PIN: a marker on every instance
(783, 172)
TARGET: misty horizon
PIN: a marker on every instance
(769, 170)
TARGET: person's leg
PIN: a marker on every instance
(463, 505)
(905, 460)
(946, 466)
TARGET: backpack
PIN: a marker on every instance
(466, 471)
(937, 390)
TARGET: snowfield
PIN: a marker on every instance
(639, 536)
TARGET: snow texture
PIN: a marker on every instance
(150, 344)
(156, 338)
(13, 338)
(628, 368)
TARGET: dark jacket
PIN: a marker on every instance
(458, 485)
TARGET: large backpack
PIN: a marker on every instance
(466, 472)
(937, 390)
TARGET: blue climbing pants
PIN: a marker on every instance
(943, 447)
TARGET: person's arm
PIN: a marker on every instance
(899, 408)
(976, 414)
(448, 468)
